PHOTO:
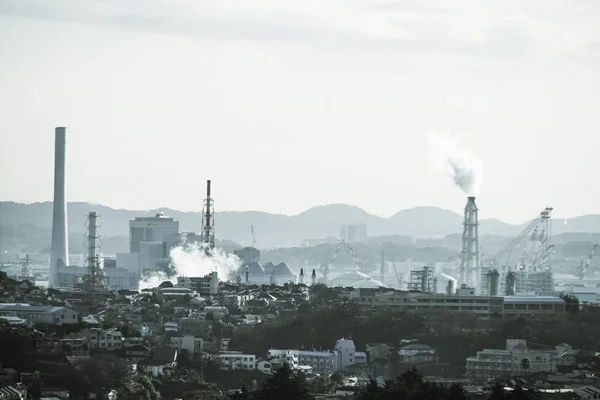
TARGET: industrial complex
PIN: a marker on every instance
(142, 306)
(523, 268)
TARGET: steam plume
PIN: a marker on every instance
(465, 169)
(191, 260)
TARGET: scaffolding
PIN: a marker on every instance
(423, 281)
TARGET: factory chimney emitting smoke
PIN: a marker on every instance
(469, 254)
(59, 254)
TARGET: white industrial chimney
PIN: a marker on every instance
(469, 255)
(60, 246)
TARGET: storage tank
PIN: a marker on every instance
(511, 283)
(451, 287)
(493, 283)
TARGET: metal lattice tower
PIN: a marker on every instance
(469, 254)
(93, 280)
(208, 221)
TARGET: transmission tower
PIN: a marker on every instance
(93, 281)
(208, 221)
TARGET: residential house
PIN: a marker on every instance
(196, 327)
(378, 350)
(16, 392)
(190, 343)
(105, 339)
(161, 361)
(417, 354)
(137, 353)
(238, 361)
(264, 366)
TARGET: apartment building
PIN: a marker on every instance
(516, 359)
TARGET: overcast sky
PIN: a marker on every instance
(290, 104)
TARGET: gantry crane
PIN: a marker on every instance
(584, 266)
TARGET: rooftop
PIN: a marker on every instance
(533, 299)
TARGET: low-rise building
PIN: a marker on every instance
(135, 354)
(516, 359)
(161, 361)
(207, 285)
(98, 338)
(233, 360)
(537, 307)
(189, 343)
(417, 354)
(196, 327)
(40, 314)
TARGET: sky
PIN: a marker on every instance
(285, 105)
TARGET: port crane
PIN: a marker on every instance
(324, 268)
(584, 266)
(535, 241)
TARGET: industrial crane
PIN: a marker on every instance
(584, 266)
(324, 268)
(537, 246)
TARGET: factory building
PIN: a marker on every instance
(355, 279)
(256, 273)
(248, 255)
(531, 307)
(114, 278)
(151, 240)
(252, 272)
(354, 233)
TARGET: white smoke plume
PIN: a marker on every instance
(465, 169)
(191, 260)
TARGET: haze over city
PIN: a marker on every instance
(300, 103)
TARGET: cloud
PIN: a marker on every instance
(425, 26)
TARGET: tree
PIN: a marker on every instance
(242, 395)
(498, 392)
(525, 363)
(371, 391)
(572, 305)
(102, 372)
(284, 384)
(456, 392)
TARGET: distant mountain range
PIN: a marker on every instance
(281, 230)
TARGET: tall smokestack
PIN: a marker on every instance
(301, 277)
(469, 255)
(313, 278)
(60, 246)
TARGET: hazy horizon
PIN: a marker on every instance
(290, 105)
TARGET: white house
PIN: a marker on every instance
(238, 361)
(264, 366)
(190, 343)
